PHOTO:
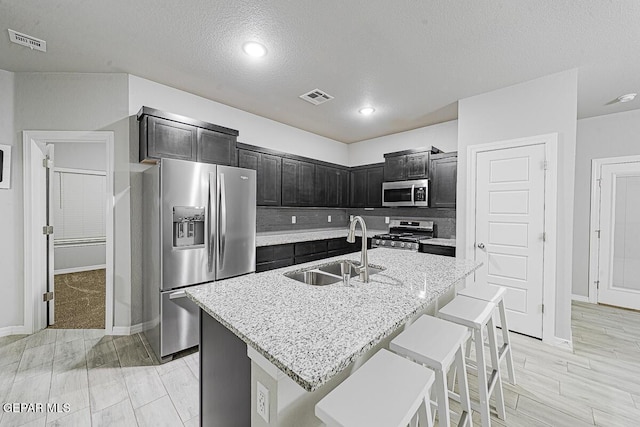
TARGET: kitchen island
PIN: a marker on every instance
(301, 341)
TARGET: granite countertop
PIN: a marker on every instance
(282, 237)
(312, 333)
(439, 242)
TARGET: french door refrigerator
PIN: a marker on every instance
(199, 225)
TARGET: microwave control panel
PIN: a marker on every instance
(420, 194)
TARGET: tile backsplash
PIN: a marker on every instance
(279, 218)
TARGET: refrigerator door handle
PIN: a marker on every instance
(210, 251)
(222, 232)
(178, 294)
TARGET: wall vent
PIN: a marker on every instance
(28, 41)
(316, 97)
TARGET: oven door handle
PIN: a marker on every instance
(413, 187)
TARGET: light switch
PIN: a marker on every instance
(328, 218)
(386, 220)
(293, 219)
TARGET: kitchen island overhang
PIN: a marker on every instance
(307, 339)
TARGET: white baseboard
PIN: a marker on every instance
(13, 330)
(127, 330)
(80, 269)
(580, 298)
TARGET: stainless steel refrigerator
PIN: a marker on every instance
(199, 225)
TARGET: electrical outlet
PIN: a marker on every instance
(350, 218)
(328, 218)
(293, 219)
(386, 220)
(262, 402)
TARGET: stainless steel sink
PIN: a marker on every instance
(328, 274)
(314, 277)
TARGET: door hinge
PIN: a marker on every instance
(47, 229)
(544, 236)
(47, 296)
(597, 282)
(598, 231)
(545, 165)
(542, 308)
(46, 163)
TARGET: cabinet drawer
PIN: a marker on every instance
(340, 243)
(438, 250)
(272, 265)
(312, 257)
(313, 247)
(274, 253)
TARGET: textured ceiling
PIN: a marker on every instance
(411, 60)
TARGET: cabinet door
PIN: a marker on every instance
(358, 188)
(444, 175)
(170, 139)
(417, 166)
(216, 147)
(306, 179)
(269, 180)
(374, 186)
(321, 184)
(394, 168)
(290, 172)
(249, 160)
(343, 188)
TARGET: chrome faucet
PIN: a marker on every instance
(363, 268)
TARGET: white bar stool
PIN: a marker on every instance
(439, 344)
(495, 294)
(477, 315)
(388, 390)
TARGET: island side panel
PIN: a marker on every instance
(225, 376)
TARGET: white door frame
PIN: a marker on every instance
(550, 142)
(594, 240)
(34, 274)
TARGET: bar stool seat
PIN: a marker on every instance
(477, 315)
(387, 390)
(495, 294)
(439, 345)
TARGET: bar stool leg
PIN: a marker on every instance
(482, 378)
(495, 366)
(463, 389)
(507, 341)
(442, 393)
(424, 414)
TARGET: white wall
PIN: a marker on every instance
(612, 135)
(11, 278)
(253, 129)
(443, 136)
(76, 155)
(541, 106)
(78, 101)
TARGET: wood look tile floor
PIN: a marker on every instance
(114, 380)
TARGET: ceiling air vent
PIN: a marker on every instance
(316, 97)
(27, 41)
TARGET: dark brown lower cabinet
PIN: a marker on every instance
(278, 256)
(438, 250)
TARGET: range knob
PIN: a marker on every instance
(377, 242)
(383, 243)
(402, 245)
(393, 243)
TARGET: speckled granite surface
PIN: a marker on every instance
(280, 238)
(312, 333)
(439, 242)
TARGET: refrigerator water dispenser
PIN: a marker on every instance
(188, 227)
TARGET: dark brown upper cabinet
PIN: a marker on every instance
(216, 147)
(269, 175)
(366, 186)
(444, 176)
(408, 164)
(298, 180)
(331, 186)
(167, 135)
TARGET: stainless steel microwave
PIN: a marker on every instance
(406, 193)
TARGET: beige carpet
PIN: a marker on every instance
(80, 300)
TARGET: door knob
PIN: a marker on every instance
(481, 245)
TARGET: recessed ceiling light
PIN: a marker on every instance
(366, 111)
(626, 98)
(254, 49)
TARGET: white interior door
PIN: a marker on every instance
(619, 251)
(50, 237)
(510, 185)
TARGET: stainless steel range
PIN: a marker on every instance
(405, 234)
